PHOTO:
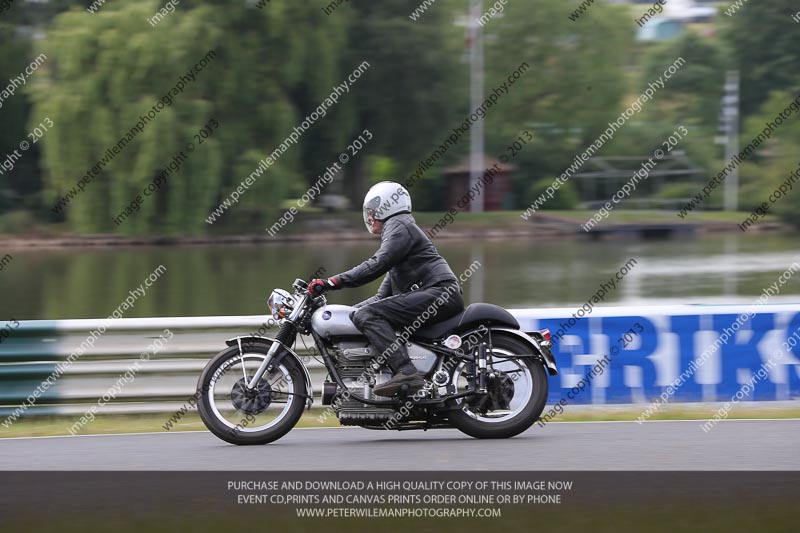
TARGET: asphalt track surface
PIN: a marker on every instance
(655, 445)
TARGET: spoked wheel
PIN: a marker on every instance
(516, 393)
(260, 415)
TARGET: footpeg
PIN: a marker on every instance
(402, 392)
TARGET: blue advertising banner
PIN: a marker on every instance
(685, 353)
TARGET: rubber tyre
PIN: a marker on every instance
(522, 421)
(241, 438)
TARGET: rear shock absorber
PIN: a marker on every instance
(482, 368)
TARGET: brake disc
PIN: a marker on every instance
(254, 401)
(502, 392)
(499, 393)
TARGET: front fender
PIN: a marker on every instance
(547, 357)
(267, 341)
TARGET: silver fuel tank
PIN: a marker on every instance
(334, 321)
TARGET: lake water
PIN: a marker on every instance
(514, 273)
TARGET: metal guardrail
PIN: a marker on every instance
(32, 351)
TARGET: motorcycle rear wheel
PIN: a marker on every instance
(527, 407)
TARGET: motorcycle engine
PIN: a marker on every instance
(354, 364)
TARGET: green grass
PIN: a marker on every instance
(109, 424)
(353, 221)
(313, 220)
(642, 216)
(499, 220)
(487, 219)
(512, 219)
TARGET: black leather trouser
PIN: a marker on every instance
(405, 312)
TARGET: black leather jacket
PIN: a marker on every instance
(407, 257)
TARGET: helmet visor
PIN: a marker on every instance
(367, 216)
(369, 211)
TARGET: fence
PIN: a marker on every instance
(32, 352)
(668, 343)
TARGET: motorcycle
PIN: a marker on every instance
(484, 376)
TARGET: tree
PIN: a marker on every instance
(774, 162)
(766, 48)
(691, 96)
(766, 45)
(14, 110)
(413, 92)
(111, 69)
(572, 87)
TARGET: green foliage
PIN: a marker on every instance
(275, 65)
(692, 95)
(769, 84)
(572, 87)
(690, 98)
(678, 190)
(382, 169)
(107, 74)
(566, 198)
(766, 45)
(17, 222)
(774, 161)
(15, 108)
(111, 69)
(415, 91)
(574, 81)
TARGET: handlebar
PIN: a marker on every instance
(299, 285)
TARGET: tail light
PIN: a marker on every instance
(542, 337)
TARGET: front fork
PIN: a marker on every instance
(285, 337)
(282, 338)
(264, 364)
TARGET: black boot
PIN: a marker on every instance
(407, 375)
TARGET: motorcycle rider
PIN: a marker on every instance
(416, 279)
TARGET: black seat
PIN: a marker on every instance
(473, 315)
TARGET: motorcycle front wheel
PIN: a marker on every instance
(242, 416)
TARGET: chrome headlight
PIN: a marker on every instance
(280, 303)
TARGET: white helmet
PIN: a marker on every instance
(385, 199)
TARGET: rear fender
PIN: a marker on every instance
(539, 353)
(286, 352)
